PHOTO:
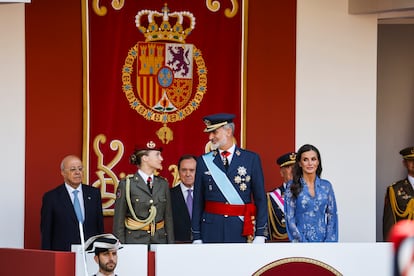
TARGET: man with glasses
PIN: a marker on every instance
(70, 207)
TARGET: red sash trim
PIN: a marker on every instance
(247, 210)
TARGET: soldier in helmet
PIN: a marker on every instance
(143, 211)
(399, 197)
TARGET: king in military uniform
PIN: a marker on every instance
(399, 198)
(275, 201)
(229, 197)
(143, 211)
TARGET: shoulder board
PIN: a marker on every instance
(160, 177)
(400, 182)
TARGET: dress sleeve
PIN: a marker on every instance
(290, 210)
(331, 217)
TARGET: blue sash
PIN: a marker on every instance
(222, 182)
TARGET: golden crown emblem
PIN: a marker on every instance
(157, 25)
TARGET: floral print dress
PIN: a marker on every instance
(312, 219)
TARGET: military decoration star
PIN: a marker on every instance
(241, 171)
(243, 187)
(241, 178)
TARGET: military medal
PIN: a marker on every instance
(241, 178)
(243, 187)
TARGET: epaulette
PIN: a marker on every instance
(399, 182)
(161, 177)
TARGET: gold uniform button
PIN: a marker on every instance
(226, 216)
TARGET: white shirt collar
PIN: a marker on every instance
(231, 150)
(70, 189)
(145, 176)
(411, 180)
(185, 188)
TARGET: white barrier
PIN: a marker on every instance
(245, 259)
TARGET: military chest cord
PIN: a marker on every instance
(408, 213)
(144, 222)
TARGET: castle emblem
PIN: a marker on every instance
(164, 78)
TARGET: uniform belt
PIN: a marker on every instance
(247, 210)
(137, 224)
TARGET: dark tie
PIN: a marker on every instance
(149, 183)
(225, 160)
(189, 202)
(77, 207)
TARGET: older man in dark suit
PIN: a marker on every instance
(182, 198)
(69, 205)
(230, 203)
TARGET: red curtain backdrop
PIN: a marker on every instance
(145, 87)
(54, 104)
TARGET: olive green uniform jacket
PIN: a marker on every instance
(141, 200)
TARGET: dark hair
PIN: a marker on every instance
(135, 158)
(185, 157)
(296, 186)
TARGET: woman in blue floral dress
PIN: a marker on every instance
(310, 205)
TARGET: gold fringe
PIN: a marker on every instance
(408, 213)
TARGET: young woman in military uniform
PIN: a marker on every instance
(143, 211)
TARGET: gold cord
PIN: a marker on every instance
(152, 211)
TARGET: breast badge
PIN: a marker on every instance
(242, 178)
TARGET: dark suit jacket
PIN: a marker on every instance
(59, 226)
(181, 218)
